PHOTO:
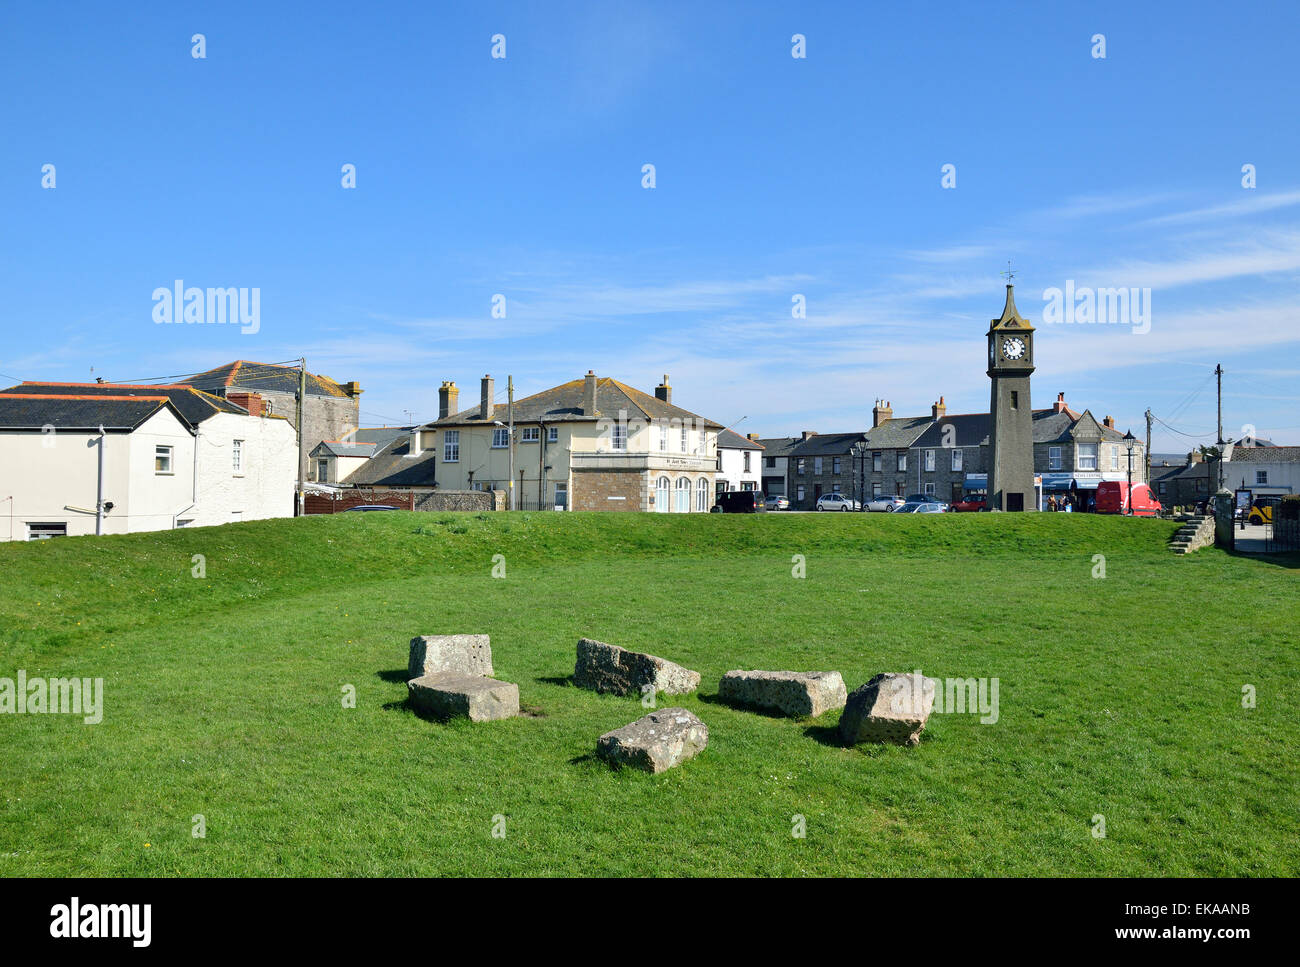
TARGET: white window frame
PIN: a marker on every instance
(929, 461)
(686, 438)
(956, 458)
(237, 457)
(928, 489)
(1261, 478)
(451, 446)
(1114, 458)
(161, 451)
(1053, 458)
(552, 434)
(531, 434)
(618, 436)
(799, 491)
(1086, 456)
(44, 531)
(817, 466)
(835, 465)
(746, 453)
(876, 458)
(901, 462)
(702, 495)
(500, 438)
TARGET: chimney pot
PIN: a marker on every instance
(448, 399)
(663, 391)
(589, 394)
(486, 396)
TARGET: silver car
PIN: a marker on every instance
(885, 503)
(837, 502)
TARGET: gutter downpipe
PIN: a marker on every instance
(99, 487)
(194, 481)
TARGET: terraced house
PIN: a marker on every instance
(820, 463)
(589, 444)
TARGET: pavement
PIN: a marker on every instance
(1251, 539)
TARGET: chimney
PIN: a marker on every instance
(938, 410)
(752, 437)
(1109, 421)
(252, 402)
(1060, 405)
(353, 389)
(414, 450)
(589, 394)
(663, 391)
(1195, 457)
(486, 396)
(448, 399)
(880, 413)
(807, 434)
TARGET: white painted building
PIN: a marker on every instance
(740, 463)
(78, 459)
(1262, 470)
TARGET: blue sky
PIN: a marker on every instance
(775, 176)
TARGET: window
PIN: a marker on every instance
(817, 466)
(719, 460)
(552, 434)
(531, 434)
(801, 465)
(661, 496)
(1162, 487)
(162, 459)
(929, 489)
(683, 496)
(500, 438)
(43, 532)
(1087, 456)
(663, 439)
(746, 461)
(769, 463)
(835, 465)
(620, 436)
(236, 516)
(322, 470)
(1114, 458)
(1053, 458)
(686, 438)
(902, 461)
(1015, 400)
(929, 461)
(1261, 477)
(875, 461)
(702, 495)
(237, 456)
(875, 489)
(451, 446)
(799, 492)
(956, 459)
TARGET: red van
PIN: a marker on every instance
(1113, 498)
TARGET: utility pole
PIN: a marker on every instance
(302, 460)
(1147, 478)
(541, 466)
(510, 433)
(1218, 463)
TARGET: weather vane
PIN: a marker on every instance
(1008, 274)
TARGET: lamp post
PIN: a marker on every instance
(510, 438)
(1129, 440)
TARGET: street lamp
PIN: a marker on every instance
(1129, 441)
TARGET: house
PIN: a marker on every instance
(739, 463)
(94, 458)
(1262, 470)
(589, 444)
(947, 456)
(333, 460)
(331, 411)
(820, 463)
(776, 456)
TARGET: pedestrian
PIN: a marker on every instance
(1051, 502)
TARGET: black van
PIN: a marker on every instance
(740, 502)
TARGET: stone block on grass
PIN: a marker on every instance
(450, 655)
(473, 697)
(617, 671)
(656, 742)
(798, 694)
(890, 708)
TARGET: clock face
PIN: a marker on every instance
(1013, 348)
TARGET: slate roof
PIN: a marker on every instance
(780, 446)
(193, 405)
(897, 433)
(381, 436)
(339, 448)
(1170, 459)
(262, 377)
(827, 444)
(1265, 455)
(972, 430)
(64, 412)
(734, 441)
(969, 430)
(391, 466)
(563, 403)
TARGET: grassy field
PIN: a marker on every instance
(1119, 696)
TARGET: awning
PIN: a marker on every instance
(977, 481)
(1057, 481)
(1086, 484)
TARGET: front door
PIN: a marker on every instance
(1015, 501)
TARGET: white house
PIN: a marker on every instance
(85, 459)
(740, 463)
(1262, 470)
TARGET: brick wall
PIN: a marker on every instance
(602, 490)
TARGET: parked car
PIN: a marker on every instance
(923, 507)
(837, 502)
(970, 505)
(777, 502)
(369, 507)
(888, 504)
(1261, 510)
(1113, 497)
(739, 502)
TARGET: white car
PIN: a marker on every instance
(837, 502)
(885, 503)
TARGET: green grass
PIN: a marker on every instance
(1119, 696)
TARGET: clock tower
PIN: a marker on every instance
(1011, 436)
